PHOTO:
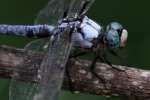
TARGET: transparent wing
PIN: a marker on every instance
(47, 83)
(25, 90)
(52, 12)
(40, 45)
(53, 67)
(79, 7)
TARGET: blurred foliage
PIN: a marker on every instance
(133, 14)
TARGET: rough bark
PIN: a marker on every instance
(130, 82)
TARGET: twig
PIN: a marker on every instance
(131, 82)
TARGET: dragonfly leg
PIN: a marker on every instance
(122, 59)
(92, 67)
(73, 55)
(105, 60)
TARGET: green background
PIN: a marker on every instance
(133, 14)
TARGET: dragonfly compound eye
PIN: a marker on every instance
(122, 34)
(114, 26)
(112, 39)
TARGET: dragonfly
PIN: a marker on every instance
(70, 27)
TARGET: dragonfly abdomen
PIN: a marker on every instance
(38, 31)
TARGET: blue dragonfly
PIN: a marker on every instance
(66, 26)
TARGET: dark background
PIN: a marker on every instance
(133, 14)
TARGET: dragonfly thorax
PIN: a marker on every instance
(86, 31)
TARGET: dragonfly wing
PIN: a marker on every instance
(86, 6)
(49, 78)
(40, 45)
(79, 7)
(52, 12)
(25, 90)
(52, 68)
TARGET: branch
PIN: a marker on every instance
(130, 82)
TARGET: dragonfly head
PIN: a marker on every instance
(116, 36)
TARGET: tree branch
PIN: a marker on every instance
(130, 82)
